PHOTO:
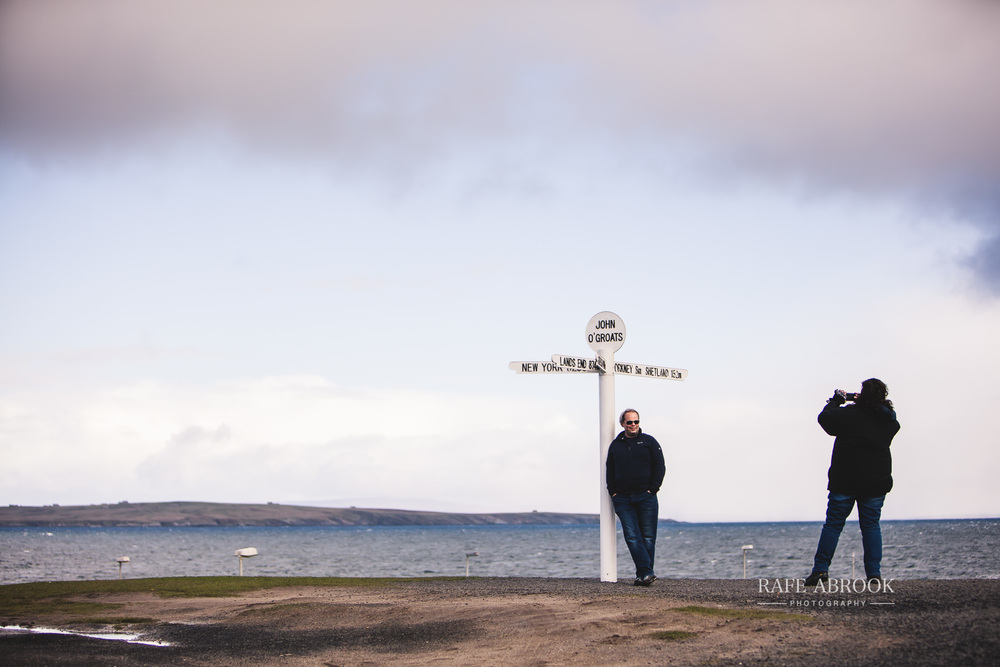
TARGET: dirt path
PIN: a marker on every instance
(540, 622)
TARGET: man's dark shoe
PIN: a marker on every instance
(817, 577)
(647, 580)
(637, 582)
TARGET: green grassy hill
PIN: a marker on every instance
(271, 514)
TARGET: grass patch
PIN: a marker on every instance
(720, 612)
(50, 597)
(20, 606)
(673, 635)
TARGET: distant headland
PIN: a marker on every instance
(270, 514)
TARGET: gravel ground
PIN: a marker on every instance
(545, 622)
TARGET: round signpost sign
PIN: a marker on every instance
(605, 331)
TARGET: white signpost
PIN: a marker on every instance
(605, 336)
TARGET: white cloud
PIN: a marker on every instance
(741, 443)
(287, 438)
(259, 254)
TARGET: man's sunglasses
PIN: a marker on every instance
(636, 422)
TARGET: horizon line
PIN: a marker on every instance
(402, 509)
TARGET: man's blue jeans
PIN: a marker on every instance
(838, 508)
(638, 513)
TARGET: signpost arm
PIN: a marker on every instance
(606, 399)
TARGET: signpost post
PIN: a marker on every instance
(605, 336)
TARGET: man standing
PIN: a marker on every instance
(860, 472)
(635, 471)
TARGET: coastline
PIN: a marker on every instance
(529, 620)
(205, 514)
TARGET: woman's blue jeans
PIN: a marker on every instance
(838, 508)
(638, 514)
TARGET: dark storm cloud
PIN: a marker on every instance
(892, 97)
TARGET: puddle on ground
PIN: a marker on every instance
(128, 637)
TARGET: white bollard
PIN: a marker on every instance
(467, 557)
(745, 547)
(248, 552)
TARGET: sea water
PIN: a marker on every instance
(943, 549)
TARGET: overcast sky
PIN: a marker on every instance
(255, 251)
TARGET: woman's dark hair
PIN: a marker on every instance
(874, 392)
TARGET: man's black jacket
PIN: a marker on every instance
(635, 464)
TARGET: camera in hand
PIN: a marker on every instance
(851, 397)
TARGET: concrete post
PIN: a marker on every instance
(609, 549)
